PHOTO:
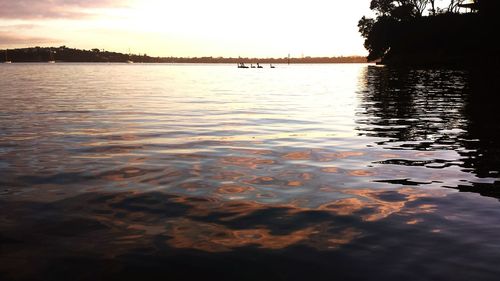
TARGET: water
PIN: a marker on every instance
(306, 172)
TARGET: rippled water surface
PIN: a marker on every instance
(303, 172)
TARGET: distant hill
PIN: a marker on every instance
(65, 54)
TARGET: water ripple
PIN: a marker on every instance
(324, 167)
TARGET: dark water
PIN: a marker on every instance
(177, 172)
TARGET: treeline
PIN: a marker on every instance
(65, 54)
(416, 32)
(347, 59)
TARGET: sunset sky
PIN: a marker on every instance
(257, 28)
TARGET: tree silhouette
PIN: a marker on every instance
(420, 28)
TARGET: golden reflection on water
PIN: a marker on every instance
(221, 234)
(247, 162)
(236, 187)
(217, 238)
(299, 155)
(330, 170)
(233, 189)
(212, 237)
(368, 198)
(361, 173)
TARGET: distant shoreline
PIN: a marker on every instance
(69, 55)
(172, 63)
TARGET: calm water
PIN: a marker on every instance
(306, 172)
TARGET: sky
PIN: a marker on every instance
(188, 28)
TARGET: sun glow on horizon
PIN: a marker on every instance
(256, 28)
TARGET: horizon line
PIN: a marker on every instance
(288, 55)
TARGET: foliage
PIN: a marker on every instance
(381, 33)
(454, 5)
(65, 54)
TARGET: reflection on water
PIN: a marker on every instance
(294, 173)
(435, 111)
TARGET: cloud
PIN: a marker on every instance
(53, 9)
(18, 27)
(8, 38)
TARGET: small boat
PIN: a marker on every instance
(259, 66)
(252, 66)
(242, 65)
(51, 57)
(129, 58)
(6, 58)
(272, 66)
